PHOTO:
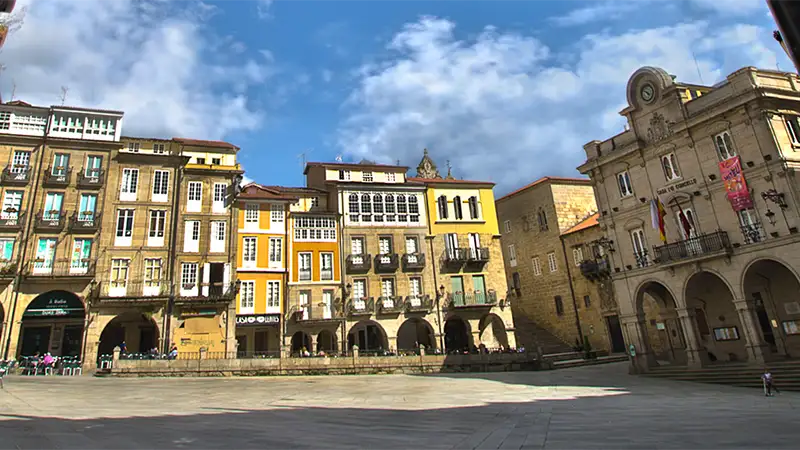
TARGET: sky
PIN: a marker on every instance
(506, 91)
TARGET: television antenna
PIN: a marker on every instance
(63, 96)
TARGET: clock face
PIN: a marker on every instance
(647, 93)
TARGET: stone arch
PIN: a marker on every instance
(457, 334)
(632, 224)
(493, 333)
(301, 341)
(326, 342)
(415, 332)
(56, 312)
(139, 332)
(710, 300)
(368, 335)
(662, 336)
(771, 288)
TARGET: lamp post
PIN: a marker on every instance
(345, 295)
(439, 295)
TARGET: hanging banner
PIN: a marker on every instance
(735, 185)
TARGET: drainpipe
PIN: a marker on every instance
(173, 246)
(572, 291)
(26, 234)
(433, 270)
(285, 299)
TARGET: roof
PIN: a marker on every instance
(203, 143)
(339, 165)
(545, 180)
(296, 190)
(446, 181)
(257, 192)
(145, 138)
(588, 222)
(17, 103)
(85, 109)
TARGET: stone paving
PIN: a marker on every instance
(580, 408)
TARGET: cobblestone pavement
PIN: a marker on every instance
(589, 407)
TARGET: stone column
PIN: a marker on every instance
(756, 348)
(634, 329)
(392, 341)
(312, 342)
(693, 350)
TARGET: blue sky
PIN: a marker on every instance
(506, 90)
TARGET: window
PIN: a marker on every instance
(344, 175)
(275, 252)
(537, 266)
(403, 207)
(12, 203)
(159, 149)
(474, 208)
(377, 207)
(442, 201)
(314, 202)
(310, 228)
(624, 181)
(367, 176)
(191, 238)
(551, 261)
(451, 245)
(93, 169)
(200, 160)
(129, 185)
(189, 276)
(273, 294)
(155, 235)
(249, 251)
(304, 266)
(119, 272)
(413, 209)
(216, 161)
(384, 245)
(390, 177)
(359, 289)
(412, 245)
(577, 255)
(276, 213)
(52, 206)
(387, 288)
(133, 147)
(415, 289)
(751, 227)
(251, 215)
(152, 271)
(45, 254)
(587, 301)
(124, 227)
(457, 213)
(516, 283)
(357, 246)
(160, 185)
(6, 250)
(559, 305)
(326, 266)
(20, 162)
(60, 164)
(353, 207)
(195, 197)
(366, 208)
(220, 195)
(217, 237)
(639, 247)
(247, 296)
(724, 146)
(793, 128)
(669, 163)
(542, 217)
(512, 255)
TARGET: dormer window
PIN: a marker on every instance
(201, 160)
(159, 149)
(216, 161)
(724, 145)
(344, 175)
(133, 147)
(390, 177)
(367, 176)
(669, 163)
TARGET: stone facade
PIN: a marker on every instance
(723, 284)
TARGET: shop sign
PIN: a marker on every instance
(677, 186)
(255, 320)
(57, 304)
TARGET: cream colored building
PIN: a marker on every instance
(724, 286)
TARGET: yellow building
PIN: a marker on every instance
(261, 269)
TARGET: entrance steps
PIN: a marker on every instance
(785, 373)
(549, 343)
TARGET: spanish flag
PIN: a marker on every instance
(657, 214)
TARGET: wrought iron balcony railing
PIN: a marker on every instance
(91, 178)
(419, 303)
(703, 245)
(85, 222)
(387, 262)
(16, 175)
(413, 261)
(304, 274)
(360, 306)
(317, 311)
(358, 263)
(595, 269)
(11, 221)
(478, 255)
(753, 233)
(455, 256)
(44, 268)
(50, 221)
(207, 292)
(137, 290)
(389, 305)
(472, 298)
(57, 176)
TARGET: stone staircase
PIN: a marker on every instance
(535, 334)
(785, 373)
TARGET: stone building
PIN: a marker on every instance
(547, 233)
(714, 169)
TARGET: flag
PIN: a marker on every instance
(686, 222)
(657, 214)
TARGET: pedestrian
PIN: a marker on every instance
(769, 383)
(123, 348)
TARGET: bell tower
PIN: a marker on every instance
(427, 168)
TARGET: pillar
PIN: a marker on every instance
(693, 350)
(756, 348)
(392, 341)
(633, 327)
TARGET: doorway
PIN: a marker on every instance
(615, 333)
(764, 322)
(35, 340)
(216, 277)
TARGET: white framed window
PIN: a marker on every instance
(387, 288)
(20, 162)
(415, 290)
(194, 198)
(669, 164)
(152, 277)
(249, 251)
(159, 149)
(344, 175)
(134, 147)
(273, 295)
(442, 206)
(251, 213)
(220, 195)
(639, 247)
(12, 204)
(512, 255)
(412, 245)
(6, 250)
(384, 245)
(326, 266)
(577, 255)
(191, 237)
(124, 235)
(129, 185)
(391, 177)
(216, 161)
(304, 266)
(276, 213)
(551, 261)
(357, 246)
(81, 255)
(624, 184)
(45, 255)
(507, 226)
(312, 228)
(314, 202)
(793, 128)
(247, 297)
(160, 185)
(118, 283)
(537, 266)
(157, 227)
(458, 214)
(189, 286)
(359, 289)
(275, 252)
(367, 176)
(724, 146)
(218, 234)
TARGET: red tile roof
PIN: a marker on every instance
(301, 189)
(258, 192)
(202, 143)
(588, 222)
(445, 181)
(18, 103)
(546, 179)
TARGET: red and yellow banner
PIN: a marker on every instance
(735, 185)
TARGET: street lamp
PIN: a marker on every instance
(775, 197)
(439, 294)
(770, 216)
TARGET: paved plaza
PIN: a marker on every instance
(588, 407)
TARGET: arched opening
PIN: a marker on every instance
(326, 342)
(368, 335)
(773, 292)
(300, 342)
(662, 334)
(53, 322)
(456, 335)
(719, 330)
(493, 332)
(413, 333)
(138, 331)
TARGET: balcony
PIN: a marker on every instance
(304, 274)
(326, 274)
(472, 299)
(419, 303)
(209, 293)
(16, 175)
(753, 233)
(358, 263)
(57, 177)
(85, 223)
(40, 268)
(317, 312)
(360, 306)
(478, 255)
(11, 221)
(455, 256)
(91, 178)
(701, 247)
(594, 270)
(390, 305)
(132, 291)
(49, 221)
(387, 262)
(8, 270)
(413, 261)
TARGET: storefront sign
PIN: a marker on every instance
(735, 185)
(677, 186)
(55, 304)
(255, 320)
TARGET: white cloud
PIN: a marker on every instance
(152, 59)
(731, 7)
(263, 9)
(500, 108)
(326, 75)
(596, 11)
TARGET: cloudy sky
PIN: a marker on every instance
(505, 90)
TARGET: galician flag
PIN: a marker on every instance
(657, 214)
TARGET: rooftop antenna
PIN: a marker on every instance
(339, 158)
(13, 90)
(697, 66)
(398, 162)
(302, 158)
(63, 96)
(2, 69)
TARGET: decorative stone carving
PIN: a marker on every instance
(427, 168)
(659, 128)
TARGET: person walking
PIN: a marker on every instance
(769, 383)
